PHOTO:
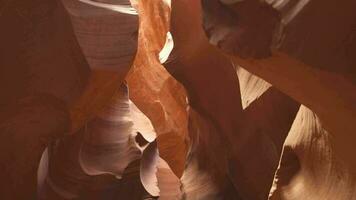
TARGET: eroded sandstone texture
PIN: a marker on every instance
(177, 99)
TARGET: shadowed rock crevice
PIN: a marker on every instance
(240, 99)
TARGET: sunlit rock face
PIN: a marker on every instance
(157, 177)
(218, 120)
(251, 86)
(107, 34)
(267, 121)
(106, 31)
(103, 157)
(196, 64)
(111, 163)
(66, 179)
(205, 175)
(196, 124)
(109, 145)
(310, 167)
(283, 103)
(314, 69)
(155, 92)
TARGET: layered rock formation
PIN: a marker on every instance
(154, 90)
(318, 80)
(181, 99)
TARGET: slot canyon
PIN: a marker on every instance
(178, 100)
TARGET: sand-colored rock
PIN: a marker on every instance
(212, 126)
(213, 92)
(315, 68)
(108, 39)
(155, 92)
(310, 168)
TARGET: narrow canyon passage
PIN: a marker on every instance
(177, 99)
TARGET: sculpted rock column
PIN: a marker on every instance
(101, 161)
(214, 96)
(154, 90)
(107, 34)
(320, 81)
(314, 67)
(310, 168)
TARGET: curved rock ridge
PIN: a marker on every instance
(106, 32)
(157, 177)
(310, 167)
(108, 146)
(321, 81)
(214, 113)
(218, 121)
(205, 174)
(229, 99)
(153, 90)
(99, 158)
(251, 86)
(108, 39)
